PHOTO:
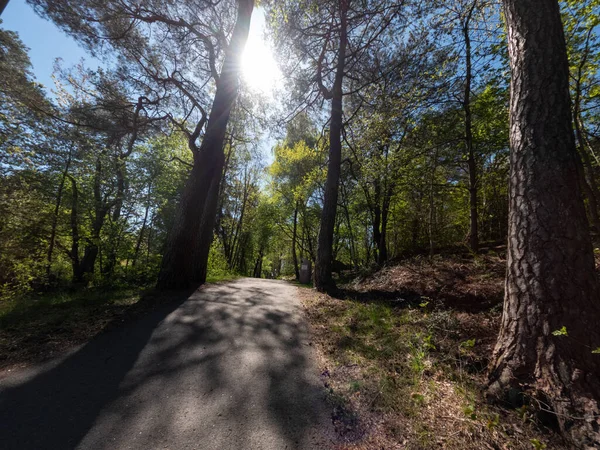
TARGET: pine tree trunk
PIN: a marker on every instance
(323, 278)
(186, 256)
(551, 281)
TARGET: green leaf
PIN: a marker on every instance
(537, 444)
(494, 421)
(596, 351)
(469, 411)
(468, 344)
(561, 332)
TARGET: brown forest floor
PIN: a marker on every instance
(404, 353)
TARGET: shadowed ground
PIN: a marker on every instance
(227, 368)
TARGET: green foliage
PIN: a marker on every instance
(468, 344)
(537, 444)
(218, 269)
(561, 332)
(470, 411)
(494, 421)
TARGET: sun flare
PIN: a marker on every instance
(259, 68)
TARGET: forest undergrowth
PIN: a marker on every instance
(404, 353)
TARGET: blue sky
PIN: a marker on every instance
(46, 42)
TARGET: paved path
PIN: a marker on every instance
(228, 368)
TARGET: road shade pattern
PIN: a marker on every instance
(229, 367)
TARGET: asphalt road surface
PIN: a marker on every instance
(230, 367)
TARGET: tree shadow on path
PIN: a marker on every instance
(227, 367)
(53, 406)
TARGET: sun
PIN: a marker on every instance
(259, 68)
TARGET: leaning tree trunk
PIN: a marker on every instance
(227, 87)
(186, 256)
(551, 281)
(323, 277)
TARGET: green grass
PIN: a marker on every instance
(387, 344)
(220, 277)
(412, 369)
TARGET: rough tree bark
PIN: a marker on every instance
(323, 278)
(551, 281)
(186, 255)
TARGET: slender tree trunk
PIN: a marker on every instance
(115, 229)
(414, 233)
(432, 207)
(355, 262)
(219, 228)
(101, 209)
(294, 234)
(380, 209)
(141, 235)
(376, 208)
(551, 281)
(186, 256)
(307, 231)
(85, 265)
(258, 265)
(323, 278)
(235, 250)
(589, 192)
(385, 210)
(471, 162)
(56, 211)
(590, 188)
(149, 240)
(74, 253)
